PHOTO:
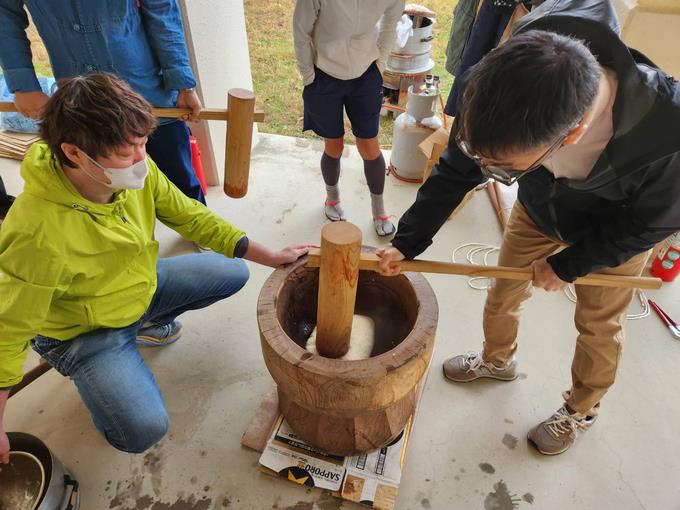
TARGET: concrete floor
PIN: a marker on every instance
(468, 450)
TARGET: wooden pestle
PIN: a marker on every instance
(338, 276)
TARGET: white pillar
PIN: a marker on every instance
(218, 48)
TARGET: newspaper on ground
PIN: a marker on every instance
(370, 478)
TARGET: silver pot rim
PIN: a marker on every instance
(35, 497)
(59, 486)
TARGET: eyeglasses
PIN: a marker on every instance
(505, 174)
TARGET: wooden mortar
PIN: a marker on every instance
(346, 407)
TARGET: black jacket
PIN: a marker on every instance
(629, 201)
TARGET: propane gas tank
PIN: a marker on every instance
(419, 121)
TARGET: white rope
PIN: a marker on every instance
(569, 291)
(476, 248)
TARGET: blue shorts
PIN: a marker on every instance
(361, 97)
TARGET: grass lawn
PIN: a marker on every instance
(275, 76)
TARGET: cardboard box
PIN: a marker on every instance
(433, 146)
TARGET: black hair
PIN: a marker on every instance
(527, 92)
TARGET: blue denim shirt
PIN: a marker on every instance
(143, 45)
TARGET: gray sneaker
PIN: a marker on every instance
(159, 335)
(471, 366)
(556, 434)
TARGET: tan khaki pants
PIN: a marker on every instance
(600, 313)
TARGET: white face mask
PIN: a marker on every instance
(131, 177)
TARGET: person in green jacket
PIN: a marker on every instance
(80, 277)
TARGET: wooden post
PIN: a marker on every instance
(241, 107)
(338, 276)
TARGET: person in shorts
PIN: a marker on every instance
(341, 50)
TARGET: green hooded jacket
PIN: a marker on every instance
(69, 266)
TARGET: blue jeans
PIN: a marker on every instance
(112, 378)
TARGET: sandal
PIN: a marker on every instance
(383, 226)
(334, 211)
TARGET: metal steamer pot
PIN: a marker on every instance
(21, 482)
(421, 40)
(43, 474)
(410, 64)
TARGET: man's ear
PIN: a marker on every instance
(576, 133)
(73, 154)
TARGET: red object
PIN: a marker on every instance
(666, 319)
(667, 264)
(196, 163)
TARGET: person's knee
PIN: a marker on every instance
(241, 275)
(334, 147)
(232, 276)
(369, 148)
(142, 433)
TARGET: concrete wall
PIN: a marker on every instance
(218, 45)
(653, 27)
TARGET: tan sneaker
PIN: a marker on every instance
(471, 366)
(556, 434)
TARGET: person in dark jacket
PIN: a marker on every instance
(589, 130)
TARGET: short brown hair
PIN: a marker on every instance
(97, 113)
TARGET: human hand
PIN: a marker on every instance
(187, 98)
(4, 448)
(544, 276)
(291, 253)
(389, 261)
(30, 104)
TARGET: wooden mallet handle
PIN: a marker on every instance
(30, 376)
(172, 113)
(240, 115)
(369, 261)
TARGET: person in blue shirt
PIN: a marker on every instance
(140, 41)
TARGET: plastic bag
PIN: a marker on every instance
(404, 30)
(14, 121)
